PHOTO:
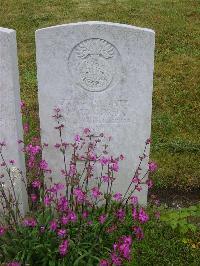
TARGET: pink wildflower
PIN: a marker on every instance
(31, 163)
(79, 194)
(30, 222)
(125, 251)
(102, 218)
(148, 141)
(64, 220)
(33, 150)
(77, 138)
(65, 144)
(86, 131)
(96, 192)
(104, 262)
(123, 247)
(72, 217)
(138, 232)
(138, 188)
(53, 225)
(90, 222)
(134, 213)
(127, 239)
(62, 204)
(116, 260)
(117, 196)
(72, 170)
(12, 162)
(64, 173)
(2, 230)
(59, 186)
(121, 157)
(47, 200)
(61, 232)
(56, 187)
(134, 200)
(57, 145)
(22, 105)
(43, 165)
(115, 167)
(45, 144)
(143, 216)
(149, 183)
(13, 263)
(135, 179)
(92, 156)
(105, 178)
(36, 183)
(85, 214)
(26, 128)
(104, 161)
(33, 197)
(120, 214)
(63, 247)
(152, 166)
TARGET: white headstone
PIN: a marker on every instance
(101, 76)
(10, 116)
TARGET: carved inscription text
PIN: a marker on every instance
(107, 111)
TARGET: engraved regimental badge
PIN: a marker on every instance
(95, 65)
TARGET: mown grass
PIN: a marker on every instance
(164, 246)
(176, 98)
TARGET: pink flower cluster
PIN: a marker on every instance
(113, 163)
(2, 230)
(30, 222)
(63, 247)
(141, 215)
(121, 252)
(152, 166)
(79, 195)
(32, 151)
(36, 183)
(138, 232)
(13, 263)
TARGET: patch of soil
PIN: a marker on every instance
(176, 199)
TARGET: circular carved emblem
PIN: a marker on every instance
(94, 64)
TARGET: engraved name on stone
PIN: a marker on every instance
(108, 111)
(94, 64)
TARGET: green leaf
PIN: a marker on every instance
(80, 258)
(192, 227)
(52, 263)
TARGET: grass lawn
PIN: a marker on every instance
(176, 98)
(164, 246)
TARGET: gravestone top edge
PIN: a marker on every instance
(103, 23)
(6, 30)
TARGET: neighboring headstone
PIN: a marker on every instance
(101, 76)
(10, 116)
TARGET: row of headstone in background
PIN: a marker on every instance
(10, 116)
(101, 77)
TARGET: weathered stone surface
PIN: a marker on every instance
(101, 76)
(10, 116)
